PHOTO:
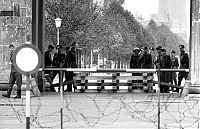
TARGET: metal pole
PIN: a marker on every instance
(159, 96)
(61, 98)
(28, 105)
(58, 36)
(61, 87)
(2, 38)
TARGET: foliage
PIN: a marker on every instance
(110, 29)
(127, 31)
(164, 37)
(76, 15)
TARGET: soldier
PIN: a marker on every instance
(135, 58)
(159, 64)
(70, 62)
(145, 60)
(166, 64)
(72, 56)
(175, 65)
(134, 64)
(153, 56)
(14, 76)
(58, 62)
(67, 64)
(48, 58)
(184, 64)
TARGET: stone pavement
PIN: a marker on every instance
(102, 110)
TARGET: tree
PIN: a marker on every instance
(76, 15)
(127, 32)
(164, 37)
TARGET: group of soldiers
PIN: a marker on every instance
(141, 58)
(60, 60)
(57, 60)
(145, 58)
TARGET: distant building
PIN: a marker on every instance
(173, 13)
(107, 2)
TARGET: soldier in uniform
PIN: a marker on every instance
(70, 62)
(145, 60)
(58, 62)
(175, 65)
(166, 64)
(134, 64)
(157, 61)
(135, 58)
(14, 76)
(48, 58)
(184, 64)
(153, 56)
(159, 64)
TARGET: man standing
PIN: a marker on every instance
(166, 64)
(70, 62)
(159, 64)
(15, 76)
(184, 64)
(153, 56)
(145, 60)
(58, 62)
(72, 56)
(48, 58)
(135, 58)
(134, 61)
(175, 65)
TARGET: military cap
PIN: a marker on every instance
(50, 47)
(159, 48)
(163, 50)
(181, 46)
(136, 49)
(172, 51)
(11, 45)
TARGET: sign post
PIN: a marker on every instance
(27, 60)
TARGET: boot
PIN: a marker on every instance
(18, 94)
(8, 93)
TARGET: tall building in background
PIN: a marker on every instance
(174, 14)
(107, 2)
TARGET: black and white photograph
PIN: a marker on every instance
(99, 64)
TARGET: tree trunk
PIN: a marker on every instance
(115, 63)
(91, 57)
(118, 63)
(84, 58)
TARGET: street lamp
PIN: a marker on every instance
(58, 24)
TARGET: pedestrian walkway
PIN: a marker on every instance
(104, 110)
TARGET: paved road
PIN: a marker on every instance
(104, 110)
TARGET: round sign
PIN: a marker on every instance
(27, 59)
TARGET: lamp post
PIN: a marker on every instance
(58, 24)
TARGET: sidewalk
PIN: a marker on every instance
(101, 110)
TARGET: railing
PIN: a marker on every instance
(114, 70)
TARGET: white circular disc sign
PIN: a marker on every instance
(27, 59)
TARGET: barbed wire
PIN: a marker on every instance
(90, 110)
